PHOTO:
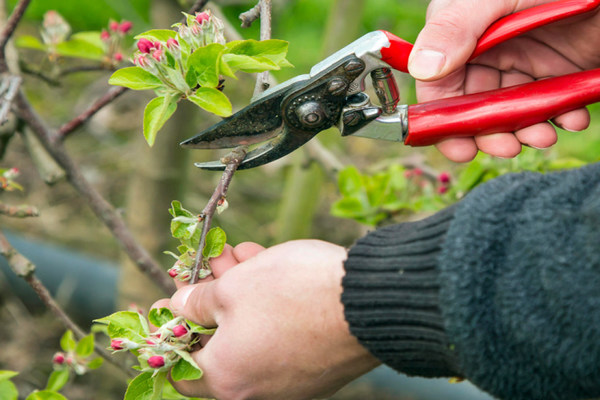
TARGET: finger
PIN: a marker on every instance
(539, 136)
(504, 145)
(451, 33)
(574, 121)
(478, 79)
(197, 303)
(458, 150)
(246, 250)
(224, 262)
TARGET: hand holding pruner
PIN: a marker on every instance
(333, 94)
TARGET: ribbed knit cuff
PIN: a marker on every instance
(391, 296)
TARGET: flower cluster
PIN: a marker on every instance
(113, 39)
(167, 59)
(7, 177)
(201, 30)
(442, 180)
(55, 29)
(161, 349)
(76, 356)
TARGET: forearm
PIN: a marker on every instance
(516, 280)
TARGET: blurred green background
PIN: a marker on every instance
(286, 200)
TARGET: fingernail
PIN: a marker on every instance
(180, 298)
(426, 64)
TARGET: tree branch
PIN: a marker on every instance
(103, 210)
(9, 29)
(235, 158)
(25, 269)
(232, 162)
(10, 88)
(82, 118)
(22, 211)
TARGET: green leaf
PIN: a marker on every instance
(348, 207)
(8, 390)
(181, 230)
(184, 371)
(45, 395)
(239, 62)
(30, 42)
(91, 37)
(195, 328)
(140, 388)
(272, 49)
(67, 341)
(135, 78)
(162, 35)
(212, 100)
(95, 363)
(206, 61)
(125, 324)
(85, 347)
(156, 113)
(215, 243)
(79, 48)
(160, 316)
(57, 380)
(188, 358)
(6, 374)
(350, 181)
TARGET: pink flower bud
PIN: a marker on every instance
(171, 43)
(201, 17)
(408, 174)
(418, 171)
(158, 55)
(173, 273)
(113, 26)
(442, 189)
(118, 57)
(125, 26)
(156, 44)
(150, 342)
(179, 330)
(105, 35)
(58, 359)
(117, 344)
(140, 60)
(144, 45)
(444, 177)
(156, 361)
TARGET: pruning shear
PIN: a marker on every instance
(333, 94)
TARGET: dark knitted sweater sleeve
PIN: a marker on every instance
(506, 286)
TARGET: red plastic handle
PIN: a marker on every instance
(396, 55)
(502, 110)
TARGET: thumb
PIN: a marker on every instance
(196, 303)
(451, 33)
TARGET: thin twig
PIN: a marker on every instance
(102, 208)
(250, 16)
(14, 82)
(86, 68)
(82, 118)
(232, 162)
(9, 29)
(197, 6)
(22, 211)
(25, 269)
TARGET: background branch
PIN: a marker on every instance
(25, 269)
(9, 29)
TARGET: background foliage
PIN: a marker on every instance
(289, 199)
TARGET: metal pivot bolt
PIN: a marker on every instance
(310, 113)
(386, 89)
